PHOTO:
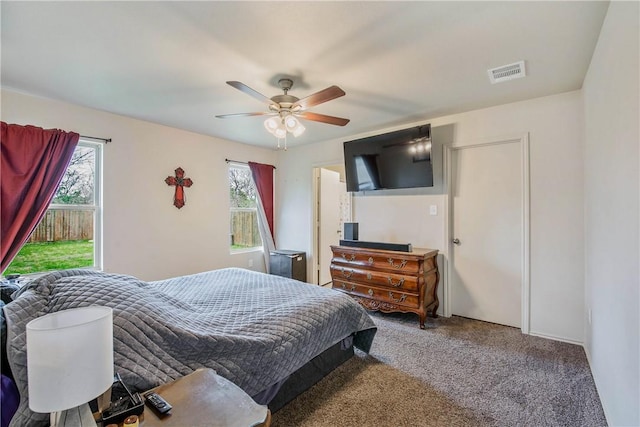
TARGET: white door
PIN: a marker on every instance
(487, 233)
(330, 231)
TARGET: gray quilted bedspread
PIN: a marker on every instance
(252, 328)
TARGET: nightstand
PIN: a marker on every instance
(204, 398)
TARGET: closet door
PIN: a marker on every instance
(487, 233)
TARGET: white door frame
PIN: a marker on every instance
(315, 170)
(523, 140)
(315, 224)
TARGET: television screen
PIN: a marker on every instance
(400, 159)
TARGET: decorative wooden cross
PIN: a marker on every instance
(179, 181)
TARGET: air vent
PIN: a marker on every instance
(507, 72)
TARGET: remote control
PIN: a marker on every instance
(157, 403)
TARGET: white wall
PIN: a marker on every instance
(555, 126)
(611, 99)
(144, 234)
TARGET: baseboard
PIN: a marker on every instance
(588, 354)
(556, 338)
(595, 381)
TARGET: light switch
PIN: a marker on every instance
(433, 210)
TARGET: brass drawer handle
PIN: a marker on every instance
(370, 260)
(353, 287)
(370, 292)
(395, 285)
(368, 276)
(401, 299)
(398, 266)
(347, 274)
(351, 257)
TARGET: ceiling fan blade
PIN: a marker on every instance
(229, 116)
(339, 121)
(324, 95)
(246, 89)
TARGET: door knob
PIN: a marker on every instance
(456, 241)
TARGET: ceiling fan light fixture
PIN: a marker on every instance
(280, 132)
(294, 126)
(298, 130)
(290, 123)
(280, 126)
(271, 124)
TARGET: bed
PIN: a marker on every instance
(265, 333)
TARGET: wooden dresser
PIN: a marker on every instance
(388, 281)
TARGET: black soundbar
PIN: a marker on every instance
(402, 247)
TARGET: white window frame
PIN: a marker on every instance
(260, 247)
(97, 203)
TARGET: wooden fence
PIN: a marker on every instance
(244, 228)
(60, 225)
(64, 225)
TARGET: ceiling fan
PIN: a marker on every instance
(285, 109)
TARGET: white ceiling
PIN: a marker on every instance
(398, 62)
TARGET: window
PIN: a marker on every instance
(69, 235)
(244, 232)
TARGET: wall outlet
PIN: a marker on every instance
(250, 263)
(433, 210)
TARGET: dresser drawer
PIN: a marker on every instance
(405, 299)
(430, 265)
(393, 281)
(396, 262)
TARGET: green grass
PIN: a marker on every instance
(243, 247)
(47, 256)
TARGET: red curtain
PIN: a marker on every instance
(263, 178)
(33, 163)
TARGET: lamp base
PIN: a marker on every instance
(80, 416)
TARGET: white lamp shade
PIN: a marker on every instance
(69, 358)
(290, 123)
(294, 126)
(299, 130)
(280, 132)
(271, 124)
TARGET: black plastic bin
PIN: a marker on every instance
(291, 264)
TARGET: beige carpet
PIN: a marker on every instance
(457, 372)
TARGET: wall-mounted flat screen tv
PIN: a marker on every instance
(400, 159)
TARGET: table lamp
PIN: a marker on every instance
(69, 362)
